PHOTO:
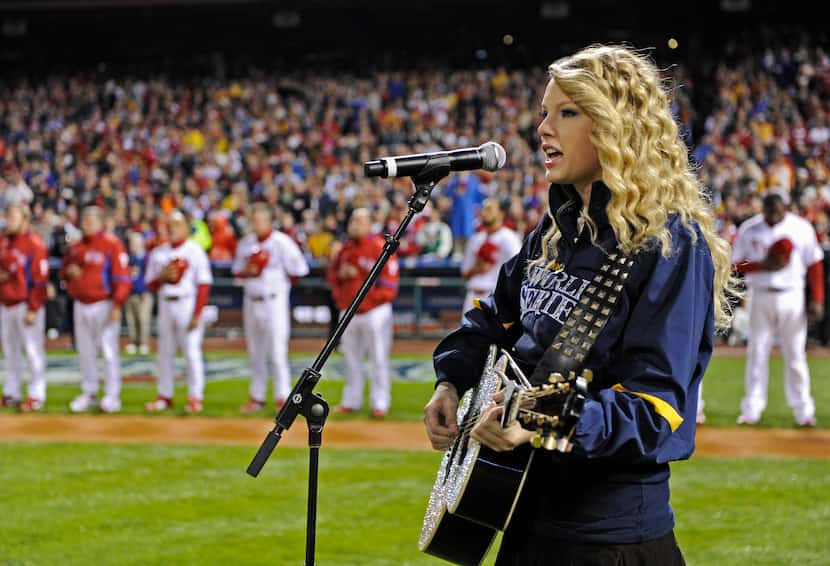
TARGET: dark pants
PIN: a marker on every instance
(661, 551)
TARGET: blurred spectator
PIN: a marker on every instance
(139, 306)
(143, 146)
(320, 242)
(435, 237)
(464, 190)
(223, 240)
(200, 233)
(15, 189)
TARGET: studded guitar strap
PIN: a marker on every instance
(586, 321)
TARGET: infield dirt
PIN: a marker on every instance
(735, 442)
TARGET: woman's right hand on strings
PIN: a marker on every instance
(439, 416)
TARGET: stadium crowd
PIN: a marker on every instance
(143, 147)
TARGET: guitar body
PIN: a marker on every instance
(457, 539)
(447, 536)
(492, 486)
(477, 488)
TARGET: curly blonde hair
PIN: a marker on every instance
(644, 163)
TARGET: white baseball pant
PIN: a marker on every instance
(368, 333)
(267, 324)
(17, 338)
(173, 320)
(95, 330)
(783, 315)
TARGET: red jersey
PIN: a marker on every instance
(105, 271)
(25, 263)
(362, 254)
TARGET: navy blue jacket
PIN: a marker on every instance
(647, 364)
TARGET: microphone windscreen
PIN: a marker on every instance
(493, 156)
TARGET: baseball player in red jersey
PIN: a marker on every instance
(371, 330)
(486, 251)
(267, 260)
(777, 250)
(179, 271)
(97, 275)
(24, 271)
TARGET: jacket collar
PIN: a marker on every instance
(565, 205)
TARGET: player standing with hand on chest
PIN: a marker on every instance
(24, 271)
(179, 271)
(372, 328)
(777, 250)
(267, 260)
(97, 276)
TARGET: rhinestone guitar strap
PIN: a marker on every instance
(586, 320)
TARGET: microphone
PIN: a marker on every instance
(489, 156)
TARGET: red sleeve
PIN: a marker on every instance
(747, 266)
(39, 271)
(815, 278)
(334, 267)
(201, 299)
(331, 277)
(120, 275)
(154, 285)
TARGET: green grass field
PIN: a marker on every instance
(103, 504)
(723, 389)
(157, 504)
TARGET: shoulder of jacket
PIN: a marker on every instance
(685, 233)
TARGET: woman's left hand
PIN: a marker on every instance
(489, 432)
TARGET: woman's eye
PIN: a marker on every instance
(568, 113)
(543, 114)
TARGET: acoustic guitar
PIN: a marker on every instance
(477, 488)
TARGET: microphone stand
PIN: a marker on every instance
(302, 400)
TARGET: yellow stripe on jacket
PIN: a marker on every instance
(660, 407)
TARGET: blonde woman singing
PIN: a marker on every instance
(620, 180)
